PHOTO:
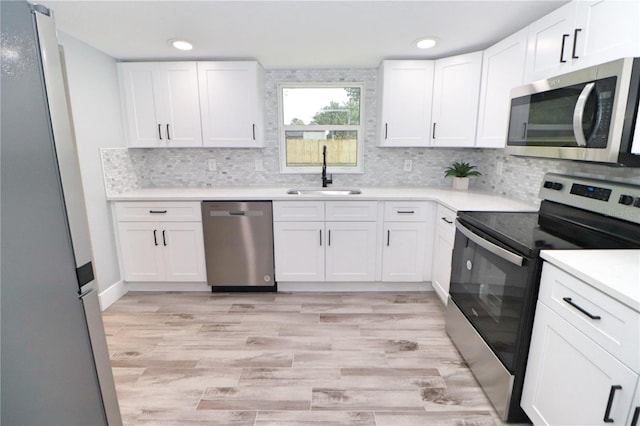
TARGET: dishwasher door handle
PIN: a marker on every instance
(240, 213)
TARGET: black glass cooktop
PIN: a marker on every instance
(555, 227)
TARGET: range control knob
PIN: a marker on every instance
(547, 184)
(626, 200)
(557, 186)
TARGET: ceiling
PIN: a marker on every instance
(294, 34)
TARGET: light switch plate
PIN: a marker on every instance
(259, 165)
(213, 166)
(408, 165)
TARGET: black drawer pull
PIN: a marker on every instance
(447, 220)
(406, 212)
(157, 211)
(590, 315)
(607, 412)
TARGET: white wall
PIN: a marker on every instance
(96, 109)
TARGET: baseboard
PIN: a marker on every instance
(353, 286)
(168, 286)
(112, 294)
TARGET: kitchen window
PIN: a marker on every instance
(314, 115)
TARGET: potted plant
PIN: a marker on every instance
(461, 172)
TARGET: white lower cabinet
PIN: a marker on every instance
(406, 251)
(311, 245)
(299, 251)
(442, 251)
(571, 379)
(157, 251)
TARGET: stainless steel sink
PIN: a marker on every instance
(324, 192)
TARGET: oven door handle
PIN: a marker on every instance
(487, 245)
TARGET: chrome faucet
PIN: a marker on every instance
(325, 180)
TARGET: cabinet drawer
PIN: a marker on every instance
(616, 327)
(352, 211)
(298, 211)
(144, 211)
(445, 220)
(406, 211)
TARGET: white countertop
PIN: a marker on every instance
(614, 272)
(456, 200)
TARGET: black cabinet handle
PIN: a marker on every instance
(575, 39)
(168, 135)
(564, 39)
(321, 237)
(636, 415)
(447, 220)
(254, 131)
(433, 132)
(157, 211)
(386, 130)
(590, 315)
(406, 212)
(388, 236)
(524, 130)
(160, 131)
(329, 238)
(607, 412)
(164, 238)
(155, 238)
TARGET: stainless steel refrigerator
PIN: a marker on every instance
(54, 362)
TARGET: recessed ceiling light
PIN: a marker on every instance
(181, 44)
(426, 43)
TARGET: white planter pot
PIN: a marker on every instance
(461, 183)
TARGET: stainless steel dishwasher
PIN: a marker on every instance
(238, 243)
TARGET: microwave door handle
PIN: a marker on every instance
(578, 114)
(487, 245)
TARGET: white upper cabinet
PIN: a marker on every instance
(161, 104)
(581, 34)
(230, 102)
(456, 91)
(502, 70)
(406, 88)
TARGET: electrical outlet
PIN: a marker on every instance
(259, 165)
(499, 168)
(408, 165)
(213, 166)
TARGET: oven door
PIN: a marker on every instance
(495, 289)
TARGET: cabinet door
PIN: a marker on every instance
(502, 70)
(403, 251)
(550, 44)
(350, 251)
(141, 249)
(299, 251)
(183, 251)
(407, 89)
(142, 101)
(609, 29)
(229, 96)
(570, 379)
(181, 124)
(456, 91)
(442, 252)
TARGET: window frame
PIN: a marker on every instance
(283, 128)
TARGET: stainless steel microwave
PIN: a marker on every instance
(586, 115)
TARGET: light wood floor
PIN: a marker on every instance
(285, 359)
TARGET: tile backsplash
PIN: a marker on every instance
(127, 169)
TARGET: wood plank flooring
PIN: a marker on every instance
(289, 359)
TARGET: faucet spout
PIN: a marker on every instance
(325, 180)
